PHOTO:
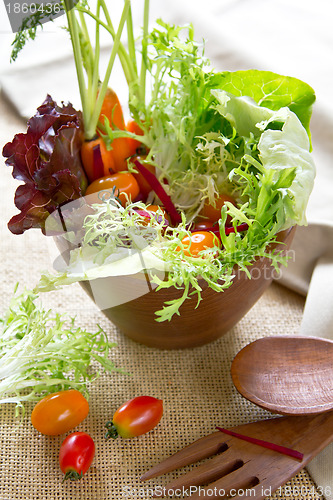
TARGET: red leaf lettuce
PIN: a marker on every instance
(47, 160)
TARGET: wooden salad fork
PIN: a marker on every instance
(237, 467)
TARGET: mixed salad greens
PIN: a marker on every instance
(202, 134)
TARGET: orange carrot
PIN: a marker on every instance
(133, 127)
(111, 109)
(91, 167)
(145, 187)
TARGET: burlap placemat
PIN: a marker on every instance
(195, 384)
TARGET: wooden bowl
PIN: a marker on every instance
(217, 313)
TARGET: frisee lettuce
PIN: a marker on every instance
(43, 352)
(116, 243)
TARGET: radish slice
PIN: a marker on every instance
(159, 190)
(98, 162)
(153, 215)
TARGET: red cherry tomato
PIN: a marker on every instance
(59, 412)
(214, 213)
(199, 241)
(135, 417)
(123, 183)
(76, 455)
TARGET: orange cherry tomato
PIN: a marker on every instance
(76, 455)
(133, 127)
(59, 412)
(199, 241)
(214, 213)
(135, 417)
(87, 157)
(111, 109)
(124, 184)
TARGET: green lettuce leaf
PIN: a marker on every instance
(270, 90)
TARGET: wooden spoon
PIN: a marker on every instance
(290, 375)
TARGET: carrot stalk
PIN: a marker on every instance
(265, 444)
(74, 32)
(91, 128)
(143, 69)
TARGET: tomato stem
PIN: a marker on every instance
(111, 430)
(72, 475)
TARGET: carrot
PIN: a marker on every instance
(88, 158)
(133, 127)
(145, 187)
(111, 109)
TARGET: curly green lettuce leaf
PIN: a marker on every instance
(42, 352)
(115, 243)
(283, 154)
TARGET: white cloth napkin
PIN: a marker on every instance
(289, 37)
(317, 318)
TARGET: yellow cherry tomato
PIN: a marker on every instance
(59, 412)
(199, 241)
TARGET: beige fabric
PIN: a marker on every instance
(195, 385)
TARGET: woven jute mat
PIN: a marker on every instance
(195, 384)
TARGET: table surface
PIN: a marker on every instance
(195, 384)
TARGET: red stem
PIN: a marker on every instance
(228, 229)
(265, 444)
